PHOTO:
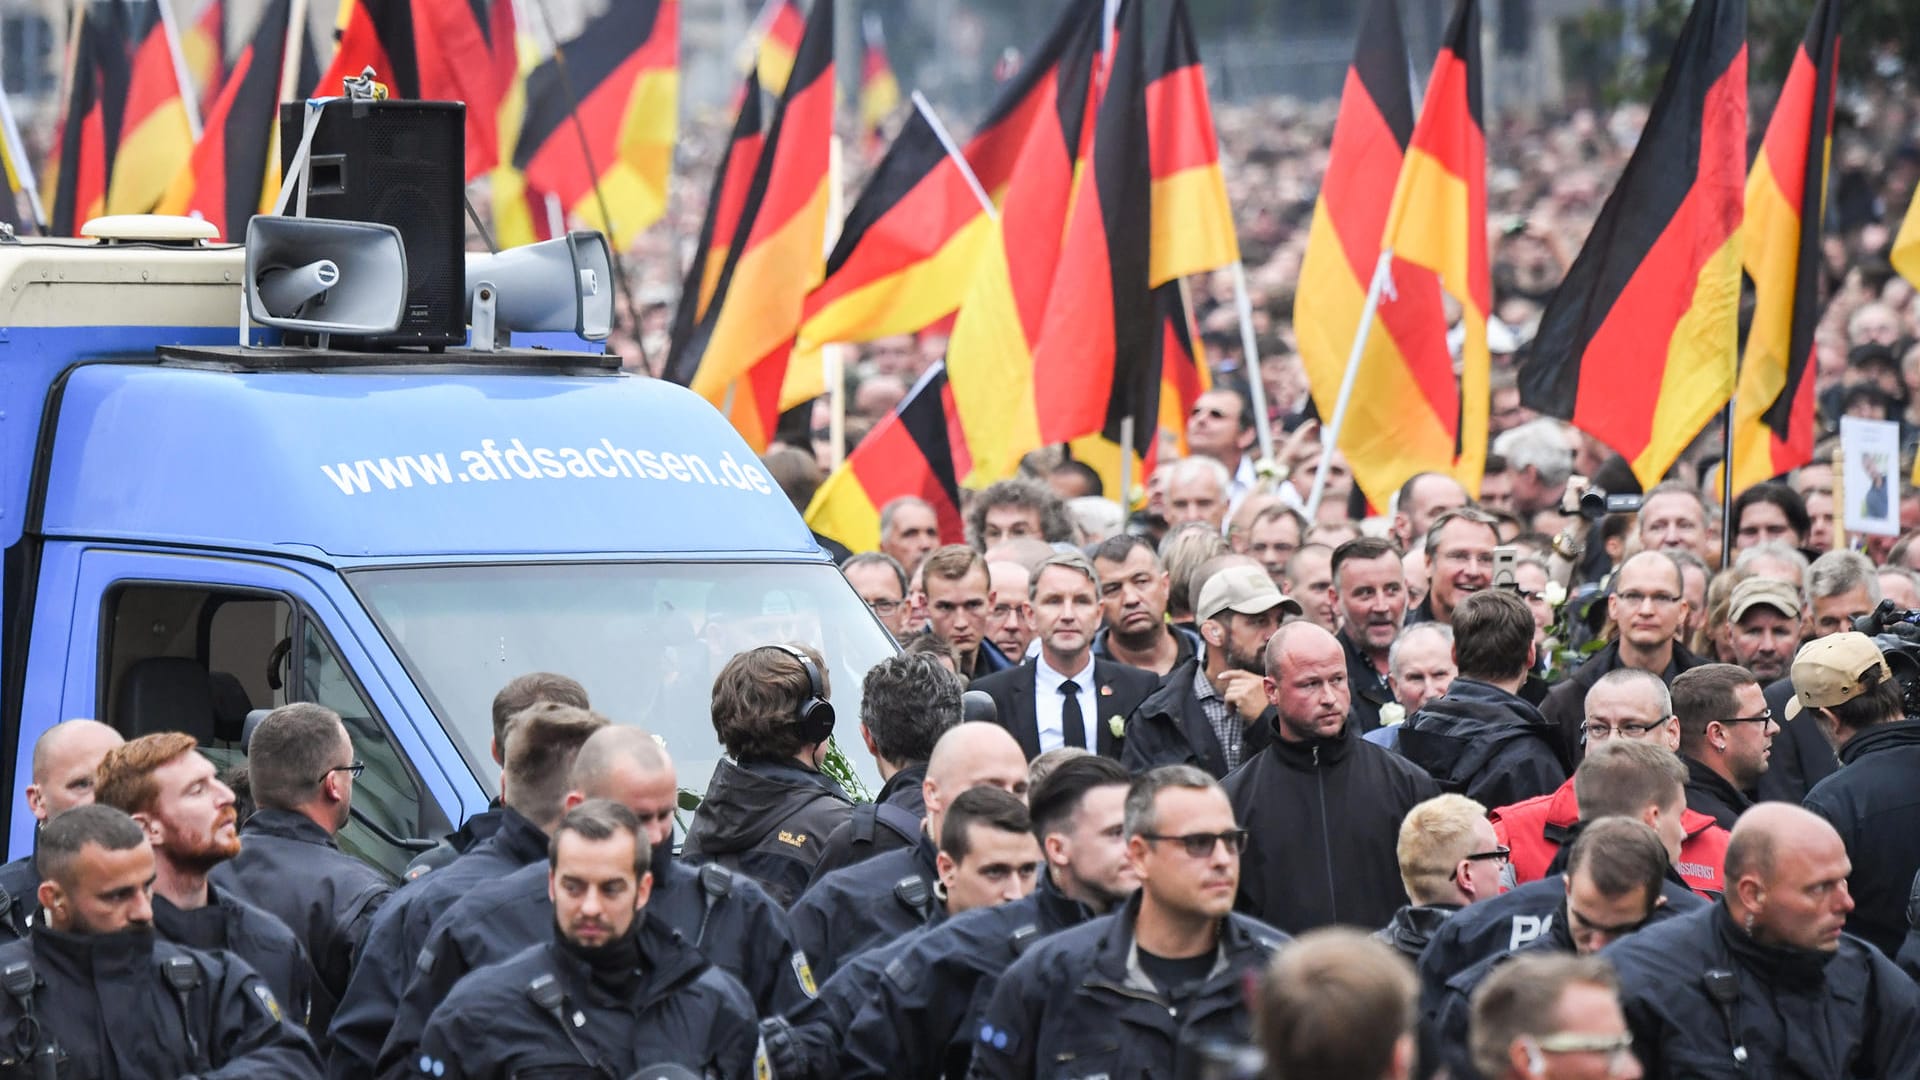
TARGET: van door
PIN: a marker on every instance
(179, 642)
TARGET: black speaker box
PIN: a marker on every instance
(398, 163)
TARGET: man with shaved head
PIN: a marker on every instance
(1766, 982)
(64, 760)
(868, 904)
(1322, 806)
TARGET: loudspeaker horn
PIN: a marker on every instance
(325, 277)
(563, 285)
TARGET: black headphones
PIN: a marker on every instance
(815, 715)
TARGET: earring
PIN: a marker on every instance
(1749, 924)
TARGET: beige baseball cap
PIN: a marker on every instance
(1764, 592)
(1829, 671)
(1245, 589)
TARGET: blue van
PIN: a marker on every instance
(194, 531)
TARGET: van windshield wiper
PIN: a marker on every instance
(380, 831)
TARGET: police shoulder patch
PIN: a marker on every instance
(762, 1068)
(265, 997)
(902, 974)
(803, 971)
(424, 964)
(793, 839)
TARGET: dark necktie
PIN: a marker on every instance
(1073, 727)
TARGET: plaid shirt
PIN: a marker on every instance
(1221, 716)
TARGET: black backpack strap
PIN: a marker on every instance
(860, 825)
(899, 820)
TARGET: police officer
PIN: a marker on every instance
(1135, 992)
(541, 744)
(170, 789)
(301, 768)
(914, 1023)
(93, 993)
(612, 992)
(849, 911)
(734, 924)
(64, 760)
(1766, 982)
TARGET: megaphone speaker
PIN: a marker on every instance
(325, 277)
(560, 286)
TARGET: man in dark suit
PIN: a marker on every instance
(1064, 696)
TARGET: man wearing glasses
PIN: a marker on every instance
(882, 584)
(1647, 611)
(1726, 738)
(1840, 587)
(1552, 1018)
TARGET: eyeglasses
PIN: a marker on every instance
(1658, 599)
(1200, 845)
(353, 769)
(1603, 732)
(885, 607)
(1501, 854)
(1765, 716)
(1567, 1042)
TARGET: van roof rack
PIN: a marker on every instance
(289, 358)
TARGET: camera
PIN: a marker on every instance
(1896, 632)
(1596, 505)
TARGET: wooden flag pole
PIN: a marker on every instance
(1839, 500)
(1330, 434)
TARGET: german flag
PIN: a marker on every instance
(1184, 374)
(783, 25)
(879, 90)
(1390, 433)
(205, 46)
(1906, 244)
(1438, 221)
(19, 175)
(377, 34)
(1639, 345)
(516, 220)
(89, 134)
(737, 355)
(1786, 203)
(156, 137)
(725, 201)
(625, 67)
(1192, 223)
(225, 181)
(909, 453)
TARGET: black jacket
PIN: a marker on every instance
(1709, 793)
(888, 823)
(1324, 819)
(291, 868)
(1187, 645)
(1909, 958)
(399, 931)
(19, 898)
(672, 1008)
(1850, 1013)
(1081, 997)
(1413, 926)
(1484, 743)
(228, 924)
(805, 1043)
(1120, 690)
(768, 820)
(1802, 756)
(107, 1000)
(852, 910)
(456, 843)
(1445, 1025)
(1871, 802)
(1566, 703)
(916, 1020)
(1366, 686)
(1169, 728)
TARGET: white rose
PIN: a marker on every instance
(1556, 594)
(1118, 725)
(1393, 714)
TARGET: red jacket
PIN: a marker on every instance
(1536, 828)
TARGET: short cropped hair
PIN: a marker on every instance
(1434, 836)
(1315, 991)
(1437, 629)
(757, 699)
(1363, 549)
(602, 819)
(541, 744)
(954, 562)
(1622, 777)
(63, 837)
(291, 750)
(1053, 799)
(1521, 999)
(1704, 694)
(877, 558)
(1620, 856)
(1632, 676)
(1838, 572)
(907, 702)
(985, 805)
(528, 690)
(1491, 631)
(1073, 561)
(125, 781)
(1142, 813)
(1461, 513)
(1121, 546)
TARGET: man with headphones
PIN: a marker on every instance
(769, 808)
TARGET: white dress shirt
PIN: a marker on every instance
(1047, 701)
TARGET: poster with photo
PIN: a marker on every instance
(1870, 480)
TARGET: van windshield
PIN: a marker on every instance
(645, 639)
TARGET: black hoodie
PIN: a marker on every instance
(1484, 743)
(1872, 802)
(768, 820)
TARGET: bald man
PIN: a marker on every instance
(1322, 806)
(871, 903)
(1786, 991)
(65, 757)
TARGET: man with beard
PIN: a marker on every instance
(1726, 738)
(612, 992)
(65, 759)
(1207, 713)
(1764, 625)
(1134, 590)
(170, 791)
(103, 996)
(1371, 591)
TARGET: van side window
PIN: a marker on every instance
(199, 659)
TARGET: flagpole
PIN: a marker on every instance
(290, 56)
(1330, 434)
(22, 163)
(1250, 361)
(959, 159)
(1726, 486)
(189, 97)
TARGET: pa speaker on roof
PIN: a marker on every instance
(325, 277)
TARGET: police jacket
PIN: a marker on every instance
(1566, 703)
(554, 1010)
(768, 820)
(399, 931)
(1079, 1005)
(1709, 793)
(916, 1020)
(806, 1043)
(1170, 728)
(231, 925)
(456, 843)
(1367, 686)
(129, 1006)
(1871, 802)
(291, 868)
(1848, 1013)
(19, 898)
(1324, 818)
(1538, 829)
(1484, 743)
(723, 915)
(1413, 926)
(888, 823)
(850, 911)
(1444, 1025)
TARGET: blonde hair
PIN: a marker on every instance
(1434, 837)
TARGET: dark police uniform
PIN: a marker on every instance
(399, 930)
(769, 820)
(456, 843)
(129, 1006)
(733, 924)
(291, 868)
(19, 898)
(807, 1043)
(916, 1019)
(871, 903)
(264, 942)
(1870, 803)
(1080, 1004)
(888, 823)
(549, 1011)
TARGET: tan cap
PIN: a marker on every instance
(1828, 672)
(1245, 589)
(1764, 592)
